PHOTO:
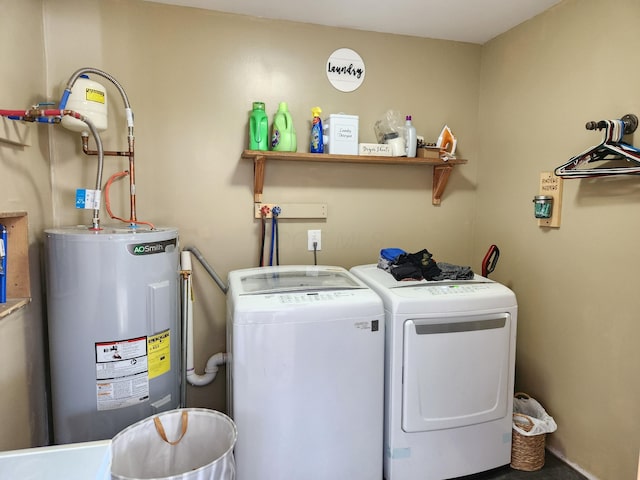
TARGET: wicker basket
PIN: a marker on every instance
(527, 452)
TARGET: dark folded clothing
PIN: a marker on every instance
(423, 260)
(419, 266)
(406, 271)
(453, 272)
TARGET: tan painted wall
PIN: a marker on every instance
(24, 186)
(191, 76)
(576, 285)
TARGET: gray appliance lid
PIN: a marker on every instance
(288, 281)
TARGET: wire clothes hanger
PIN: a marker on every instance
(612, 148)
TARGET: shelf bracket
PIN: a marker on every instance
(258, 178)
(440, 178)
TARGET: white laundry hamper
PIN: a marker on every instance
(185, 444)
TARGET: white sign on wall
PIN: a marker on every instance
(345, 70)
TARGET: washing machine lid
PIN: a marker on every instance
(295, 279)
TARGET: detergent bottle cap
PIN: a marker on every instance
(282, 107)
(408, 118)
(316, 111)
(258, 105)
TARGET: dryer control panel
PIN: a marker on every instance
(454, 289)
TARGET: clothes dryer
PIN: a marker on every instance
(449, 375)
(305, 379)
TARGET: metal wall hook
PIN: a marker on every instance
(630, 122)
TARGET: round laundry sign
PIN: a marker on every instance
(345, 70)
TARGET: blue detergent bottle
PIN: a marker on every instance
(317, 142)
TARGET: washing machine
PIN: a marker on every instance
(306, 374)
(449, 374)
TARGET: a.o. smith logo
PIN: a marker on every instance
(151, 247)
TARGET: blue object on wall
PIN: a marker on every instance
(3, 264)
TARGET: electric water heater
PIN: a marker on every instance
(113, 322)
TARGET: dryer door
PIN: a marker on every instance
(456, 371)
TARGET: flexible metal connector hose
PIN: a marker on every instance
(129, 117)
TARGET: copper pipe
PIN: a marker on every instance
(129, 117)
(132, 174)
(85, 149)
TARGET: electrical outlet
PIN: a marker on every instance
(314, 236)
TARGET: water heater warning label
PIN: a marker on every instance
(93, 95)
(122, 373)
(159, 354)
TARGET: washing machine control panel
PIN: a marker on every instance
(312, 297)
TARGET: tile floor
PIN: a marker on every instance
(554, 469)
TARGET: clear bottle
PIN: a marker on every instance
(410, 137)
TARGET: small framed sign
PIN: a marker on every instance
(345, 70)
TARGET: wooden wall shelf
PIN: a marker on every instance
(441, 168)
